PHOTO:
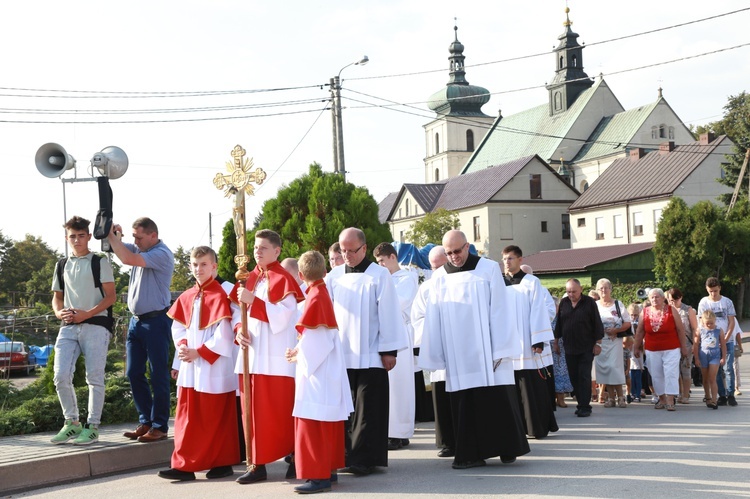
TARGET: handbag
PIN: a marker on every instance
(627, 332)
(737, 351)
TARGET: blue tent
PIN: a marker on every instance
(3, 337)
(408, 254)
(41, 354)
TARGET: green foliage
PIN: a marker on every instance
(20, 262)
(182, 278)
(625, 292)
(432, 227)
(227, 252)
(313, 209)
(736, 125)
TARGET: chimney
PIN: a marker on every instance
(666, 147)
(706, 138)
(636, 153)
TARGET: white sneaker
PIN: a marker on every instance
(654, 399)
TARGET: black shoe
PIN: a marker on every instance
(288, 459)
(358, 470)
(731, 401)
(394, 443)
(253, 474)
(508, 459)
(173, 474)
(334, 477)
(405, 442)
(630, 399)
(313, 487)
(722, 401)
(291, 471)
(583, 414)
(446, 452)
(714, 406)
(468, 464)
(220, 472)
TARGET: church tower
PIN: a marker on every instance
(460, 124)
(570, 79)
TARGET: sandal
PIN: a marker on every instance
(670, 407)
(659, 405)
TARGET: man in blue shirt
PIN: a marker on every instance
(149, 331)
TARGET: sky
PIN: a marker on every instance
(177, 84)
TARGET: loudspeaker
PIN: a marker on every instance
(642, 294)
(111, 162)
(52, 160)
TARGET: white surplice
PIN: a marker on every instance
(401, 378)
(322, 386)
(199, 374)
(470, 328)
(368, 314)
(269, 340)
(533, 322)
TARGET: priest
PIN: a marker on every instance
(533, 370)
(470, 331)
(372, 333)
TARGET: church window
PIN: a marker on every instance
(565, 226)
(437, 174)
(437, 143)
(584, 186)
(561, 64)
(469, 140)
(574, 61)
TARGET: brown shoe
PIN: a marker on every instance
(140, 431)
(153, 435)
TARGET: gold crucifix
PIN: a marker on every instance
(238, 182)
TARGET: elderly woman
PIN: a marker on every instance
(661, 328)
(609, 365)
(690, 325)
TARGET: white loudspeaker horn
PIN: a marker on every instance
(52, 160)
(111, 162)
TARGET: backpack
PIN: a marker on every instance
(96, 270)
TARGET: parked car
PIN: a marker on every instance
(14, 356)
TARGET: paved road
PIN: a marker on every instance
(633, 452)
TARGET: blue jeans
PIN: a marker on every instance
(148, 341)
(93, 342)
(725, 376)
(636, 379)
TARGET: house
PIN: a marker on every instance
(523, 202)
(620, 263)
(625, 203)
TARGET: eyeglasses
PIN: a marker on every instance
(456, 251)
(351, 252)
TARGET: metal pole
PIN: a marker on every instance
(339, 130)
(334, 123)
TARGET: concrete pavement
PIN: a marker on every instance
(632, 452)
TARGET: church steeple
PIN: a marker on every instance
(570, 79)
(458, 98)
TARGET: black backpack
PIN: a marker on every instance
(96, 269)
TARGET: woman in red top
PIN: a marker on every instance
(664, 333)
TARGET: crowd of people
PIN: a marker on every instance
(324, 368)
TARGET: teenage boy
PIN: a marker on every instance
(205, 433)
(723, 308)
(86, 329)
(322, 397)
(271, 295)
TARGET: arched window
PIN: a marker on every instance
(574, 61)
(469, 140)
(437, 143)
(437, 174)
(562, 61)
(584, 186)
(662, 133)
(671, 133)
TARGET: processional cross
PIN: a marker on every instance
(238, 182)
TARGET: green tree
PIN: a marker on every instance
(736, 125)
(227, 252)
(5, 245)
(432, 227)
(182, 278)
(22, 260)
(313, 209)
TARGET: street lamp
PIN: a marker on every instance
(338, 132)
